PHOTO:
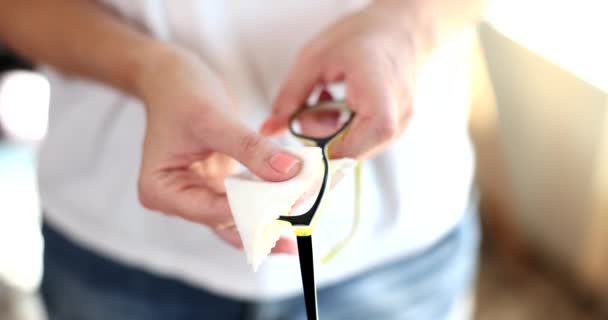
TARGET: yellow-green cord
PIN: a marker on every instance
(331, 254)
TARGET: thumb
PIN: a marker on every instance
(264, 158)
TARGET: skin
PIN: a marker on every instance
(376, 52)
(187, 154)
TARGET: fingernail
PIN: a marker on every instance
(285, 163)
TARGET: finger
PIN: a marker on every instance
(351, 144)
(211, 171)
(264, 158)
(178, 193)
(231, 236)
(276, 124)
(285, 246)
(319, 124)
(201, 205)
(376, 120)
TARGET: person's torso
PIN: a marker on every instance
(413, 193)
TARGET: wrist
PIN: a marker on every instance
(169, 72)
(153, 61)
(414, 18)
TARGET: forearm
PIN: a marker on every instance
(78, 37)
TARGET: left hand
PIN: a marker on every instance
(373, 51)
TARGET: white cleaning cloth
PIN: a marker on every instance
(256, 204)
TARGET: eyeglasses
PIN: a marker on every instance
(319, 125)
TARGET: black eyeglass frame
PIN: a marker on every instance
(306, 221)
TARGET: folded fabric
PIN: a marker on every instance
(256, 204)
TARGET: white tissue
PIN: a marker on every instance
(256, 204)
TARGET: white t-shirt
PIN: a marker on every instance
(413, 193)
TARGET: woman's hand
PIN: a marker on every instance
(192, 143)
(374, 52)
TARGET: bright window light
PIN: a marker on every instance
(20, 237)
(571, 34)
(24, 104)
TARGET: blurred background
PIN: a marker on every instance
(540, 125)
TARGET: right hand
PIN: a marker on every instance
(191, 144)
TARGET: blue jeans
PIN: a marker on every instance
(81, 285)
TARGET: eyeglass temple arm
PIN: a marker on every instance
(308, 276)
